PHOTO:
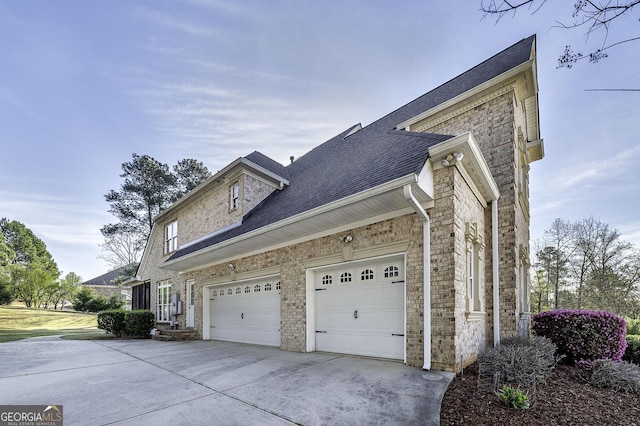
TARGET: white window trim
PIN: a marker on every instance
(163, 301)
(473, 277)
(171, 237)
(234, 196)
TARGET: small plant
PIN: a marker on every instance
(619, 376)
(521, 361)
(513, 397)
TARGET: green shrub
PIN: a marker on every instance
(112, 322)
(519, 361)
(513, 397)
(632, 353)
(83, 297)
(619, 376)
(583, 335)
(139, 323)
(633, 327)
(126, 323)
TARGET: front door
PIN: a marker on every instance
(191, 295)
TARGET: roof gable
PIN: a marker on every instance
(360, 159)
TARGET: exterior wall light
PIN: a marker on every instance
(346, 238)
(452, 159)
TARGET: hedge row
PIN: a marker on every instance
(583, 335)
(632, 354)
(126, 323)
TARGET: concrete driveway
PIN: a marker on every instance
(139, 382)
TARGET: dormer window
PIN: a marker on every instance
(234, 199)
(171, 237)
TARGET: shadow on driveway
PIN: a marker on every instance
(208, 382)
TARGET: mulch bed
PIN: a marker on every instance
(565, 399)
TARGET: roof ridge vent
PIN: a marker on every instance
(353, 130)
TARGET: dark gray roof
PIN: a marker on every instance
(105, 279)
(377, 154)
(263, 161)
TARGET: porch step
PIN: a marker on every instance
(173, 335)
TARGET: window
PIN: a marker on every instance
(247, 289)
(345, 277)
(391, 272)
(141, 296)
(278, 285)
(256, 288)
(525, 307)
(229, 291)
(214, 293)
(163, 301)
(366, 275)
(267, 287)
(234, 200)
(171, 237)
(474, 246)
(238, 290)
(327, 279)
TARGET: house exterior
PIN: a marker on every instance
(106, 285)
(406, 239)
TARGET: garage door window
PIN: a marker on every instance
(345, 277)
(327, 279)
(278, 285)
(391, 272)
(247, 289)
(366, 275)
(267, 287)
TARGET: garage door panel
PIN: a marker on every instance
(364, 316)
(246, 314)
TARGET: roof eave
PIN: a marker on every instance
(307, 225)
(523, 67)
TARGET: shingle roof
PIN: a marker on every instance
(377, 154)
(105, 279)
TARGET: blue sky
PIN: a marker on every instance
(83, 85)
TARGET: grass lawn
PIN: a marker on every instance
(18, 322)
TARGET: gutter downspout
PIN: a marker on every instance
(495, 272)
(426, 232)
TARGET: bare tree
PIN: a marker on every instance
(591, 15)
(121, 249)
(559, 248)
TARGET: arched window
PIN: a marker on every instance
(327, 279)
(247, 289)
(256, 288)
(222, 292)
(229, 291)
(278, 285)
(345, 277)
(391, 271)
(238, 290)
(267, 287)
(366, 275)
(214, 293)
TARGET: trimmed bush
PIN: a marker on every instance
(632, 353)
(139, 323)
(583, 335)
(633, 327)
(619, 376)
(126, 323)
(519, 361)
(112, 322)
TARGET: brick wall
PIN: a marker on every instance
(494, 125)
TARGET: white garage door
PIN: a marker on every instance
(247, 312)
(360, 308)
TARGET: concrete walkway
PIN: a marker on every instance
(140, 382)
